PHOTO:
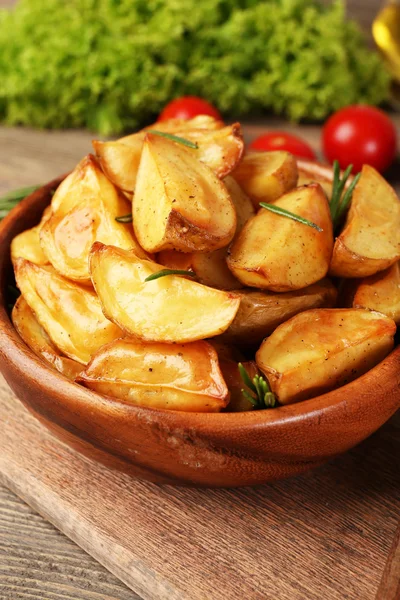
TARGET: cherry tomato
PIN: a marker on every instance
(360, 135)
(280, 140)
(188, 107)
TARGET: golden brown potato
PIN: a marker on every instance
(220, 148)
(83, 210)
(242, 203)
(226, 351)
(276, 253)
(380, 292)
(179, 203)
(319, 350)
(230, 371)
(261, 312)
(265, 176)
(70, 313)
(168, 309)
(210, 267)
(311, 171)
(173, 376)
(39, 342)
(370, 240)
(27, 245)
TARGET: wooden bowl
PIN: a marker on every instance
(228, 449)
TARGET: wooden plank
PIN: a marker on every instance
(389, 588)
(323, 535)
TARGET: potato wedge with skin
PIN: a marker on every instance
(179, 203)
(230, 370)
(27, 245)
(83, 210)
(70, 313)
(210, 267)
(39, 342)
(265, 176)
(380, 292)
(319, 350)
(311, 171)
(260, 313)
(276, 253)
(168, 309)
(221, 148)
(242, 203)
(169, 376)
(370, 240)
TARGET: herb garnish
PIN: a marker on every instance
(339, 205)
(261, 396)
(165, 272)
(174, 138)
(11, 199)
(124, 218)
(286, 213)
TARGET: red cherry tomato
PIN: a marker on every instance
(360, 135)
(188, 107)
(280, 140)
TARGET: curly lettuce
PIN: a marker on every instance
(111, 65)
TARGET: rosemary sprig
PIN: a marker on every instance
(166, 272)
(124, 218)
(339, 205)
(8, 201)
(174, 138)
(261, 396)
(286, 213)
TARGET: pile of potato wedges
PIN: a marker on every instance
(155, 272)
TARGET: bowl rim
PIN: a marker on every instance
(14, 351)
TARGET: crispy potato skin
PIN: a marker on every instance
(319, 350)
(265, 176)
(179, 203)
(169, 309)
(70, 313)
(39, 342)
(169, 376)
(260, 313)
(230, 371)
(276, 253)
(370, 240)
(380, 292)
(83, 211)
(219, 147)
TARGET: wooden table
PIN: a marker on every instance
(38, 562)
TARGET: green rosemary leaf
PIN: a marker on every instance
(345, 203)
(250, 398)
(11, 199)
(124, 218)
(174, 138)
(270, 400)
(285, 213)
(246, 379)
(166, 272)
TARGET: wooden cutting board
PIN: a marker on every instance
(324, 535)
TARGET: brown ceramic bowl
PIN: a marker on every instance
(228, 449)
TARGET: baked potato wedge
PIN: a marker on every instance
(276, 253)
(370, 240)
(220, 148)
(39, 342)
(179, 203)
(260, 313)
(380, 292)
(170, 376)
(168, 309)
(83, 210)
(242, 203)
(322, 349)
(265, 176)
(27, 245)
(70, 313)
